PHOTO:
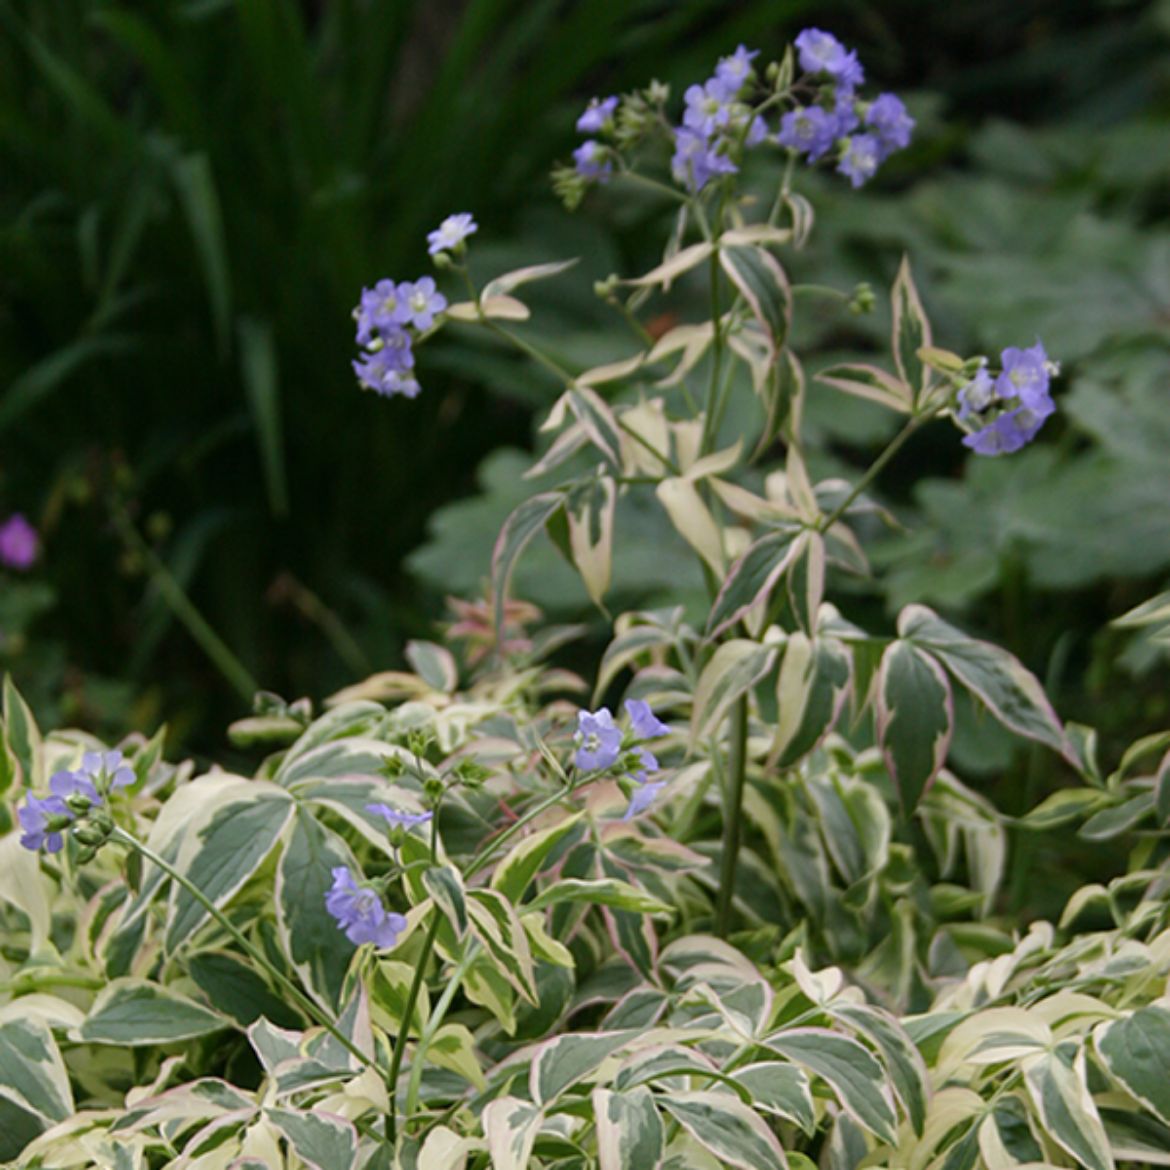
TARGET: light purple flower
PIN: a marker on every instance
(67, 784)
(757, 132)
(107, 770)
(387, 370)
(809, 130)
(642, 798)
(599, 740)
(19, 543)
(889, 120)
(860, 157)
(696, 162)
(360, 913)
(977, 395)
(645, 724)
(1025, 375)
(733, 71)
(451, 233)
(421, 302)
(398, 817)
(592, 161)
(381, 310)
(708, 109)
(42, 819)
(597, 114)
(821, 52)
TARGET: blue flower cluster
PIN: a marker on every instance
(1008, 410)
(388, 312)
(73, 794)
(862, 134)
(601, 744)
(360, 913)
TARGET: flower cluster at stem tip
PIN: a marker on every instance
(72, 795)
(1003, 413)
(601, 745)
(824, 118)
(391, 314)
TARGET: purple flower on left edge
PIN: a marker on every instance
(599, 740)
(19, 543)
(398, 817)
(360, 913)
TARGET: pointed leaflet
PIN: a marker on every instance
(495, 923)
(445, 886)
(613, 892)
(757, 274)
(911, 330)
(630, 1133)
(526, 859)
(566, 1060)
(22, 736)
(511, 1126)
(915, 719)
(1011, 692)
(693, 520)
(519, 528)
(32, 1073)
(1060, 1095)
(597, 420)
(508, 281)
(129, 1012)
(752, 578)
(850, 1070)
(590, 516)
(864, 381)
(1136, 1051)
(811, 688)
(780, 1088)
(321, 1140)
(806, 579)
(734, 669)
(231, 848)
(729, 1129)
(675, 266)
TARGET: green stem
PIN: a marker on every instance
(306, 1005)
(232, 669)
(732, 815)
(911, 426)
(537, 355)
(400, 1040)
(432, 1026)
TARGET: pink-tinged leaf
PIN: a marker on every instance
(915, 719)
(911, 330)
(752, 578)
(511, 1126)
(519, 528)
(865, 381)
(761, 281)
(812, 685)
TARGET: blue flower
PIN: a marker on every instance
(599, 740)
(398, 817)
(888, 118)
(597, 114)
(42, 819)
(708, 108)
(387, 370)
(645, 723)
(451, 233)
(592, 160)
(360, 913)
(696, 161)
(1014, 407)
(809, 130)
(420, 302)
(860, 156)
(733, 71)
(821, 52)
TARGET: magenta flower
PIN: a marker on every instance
(19, 543)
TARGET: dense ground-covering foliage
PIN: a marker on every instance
(737, 894)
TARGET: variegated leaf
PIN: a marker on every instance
(630, 1134)
(733, 670)
(865, 381)
(1060, 1095)
(752, 578)
(521, 526)
(762, 282)
(732, 1132)
(911, 331)
(811, 688)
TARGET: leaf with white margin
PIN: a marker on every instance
(132, 1012)
(443, 1149)
(32, 1073)
(871, 383)
(728, 1128)
(564, 1061)
(590, 518)
(1136, 1052)
(508, 281)
(676, 265)
(511, 1126)
(25, 886)
(522, 524)
(734, 669)
(910, 330)
(692, 520)
(630, 1134)
(1057, 1086)
(853, 1073)
(323, 1141)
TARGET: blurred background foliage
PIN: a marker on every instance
(195, 192)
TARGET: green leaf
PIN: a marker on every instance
(752, 578)
(312, 940)
(235, 989)
(231, 848)
(812, 686)
(519, 528)
(726, 1127)
(32, 1073)
(613, 892)
(453, 1047)
(1069, 804)
(1056, 1085)
(495, 923)
(132, 1012)
(1009, 691)
(511, 1126)
(781, 1089)
(565, 1060)
(445, 886)
(23, 736)
(851, 1071)
(915, 719)
(389, 986)
(733, 670)
(1136, 1051)
(324, 1141)
(630, 1134)
(869, 382)
(761, 281)
(525, 859)
(1117, 819)
(486, 986)
(911, 330)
